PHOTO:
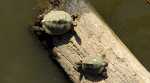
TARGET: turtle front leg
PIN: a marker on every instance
(37, 30)
(44, 38)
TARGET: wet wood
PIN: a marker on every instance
(93, 36)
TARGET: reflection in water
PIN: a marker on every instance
(130, 20)
(21, 58)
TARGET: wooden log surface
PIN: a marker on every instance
(94, 37)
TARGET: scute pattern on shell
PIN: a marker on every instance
(93, 65)
(57, 22)
(56, 15)
(93, 60)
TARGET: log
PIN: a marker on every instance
(94, 37)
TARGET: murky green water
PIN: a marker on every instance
(22, 60)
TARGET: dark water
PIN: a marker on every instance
(22, 60)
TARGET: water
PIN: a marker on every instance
(22, 60)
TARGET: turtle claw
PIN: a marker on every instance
(77, 67)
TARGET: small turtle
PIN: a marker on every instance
(55, 23)
(92, 66)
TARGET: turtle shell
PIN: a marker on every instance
(93, 65)
(57, 22)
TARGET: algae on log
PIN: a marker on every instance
(94, 37)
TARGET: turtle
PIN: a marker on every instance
(92, 66)
(55, 22)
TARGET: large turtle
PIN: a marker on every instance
(92, 66)
(55, 22)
